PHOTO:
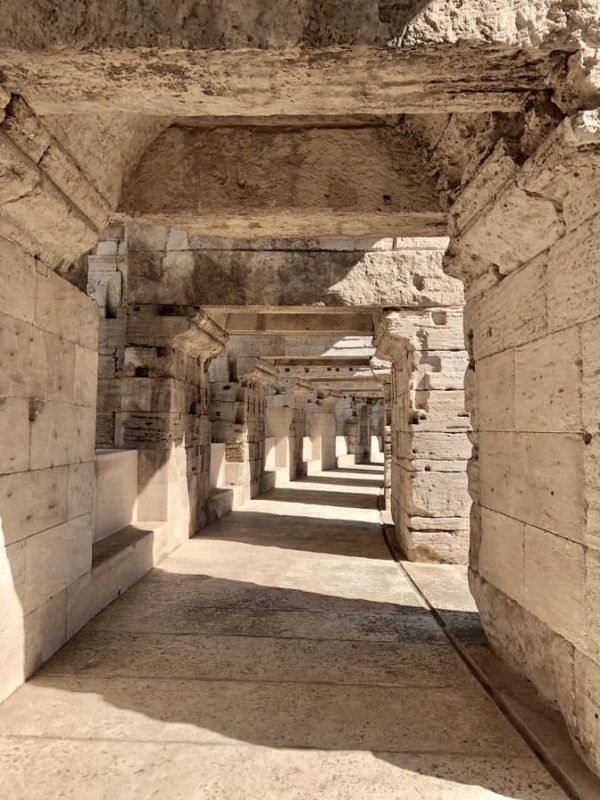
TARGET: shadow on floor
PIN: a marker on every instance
(298, 494)
(317, 658)
(327, 481)
(226, 662)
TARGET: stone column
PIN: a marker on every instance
(164, 412)
(382, 372)
(237, 411)
(298, 394)
(321, 429)
(430, 447)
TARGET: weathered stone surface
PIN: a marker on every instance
(354, 182)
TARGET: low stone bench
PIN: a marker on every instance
(121, 559)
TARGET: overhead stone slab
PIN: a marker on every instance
(287, 323)
(252, 182)
(347, 79)
(263, 278)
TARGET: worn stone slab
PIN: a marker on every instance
(30, 765)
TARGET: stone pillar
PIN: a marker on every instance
(298, 394)
(164, 413)
(321, 429)
(430, 446)
(278, 426)
(382, 372)
(237, 411)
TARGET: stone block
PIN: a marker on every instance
(106, 287)
(154, 394)
(78, 604)
(17, 370)
(513, 230)
(12, 584)
(439, 411)
(116, 491)
(554, 582)
(55, 558)
(45, 631)
(63, 310)
(31, 502)
(12, 658)
(534, 477)
(433, 445)
(510, 314)
(573, 276)
(18, 277)
(81, 489)
(54, 365)
(590, 379)
(502, 553)
(440, 494)
(495, 377)
(85, 385)
(587, 704)
(14, 434)
(548, 383)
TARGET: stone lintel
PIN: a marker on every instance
(285, 80)
(314, 323)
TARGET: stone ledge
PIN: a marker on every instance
(120, 560)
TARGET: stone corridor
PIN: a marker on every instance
(281, 653)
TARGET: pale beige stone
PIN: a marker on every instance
(55, 558)
(502, 553)
(32, 502)
(496, 381)
(548, 383)
(554, 582)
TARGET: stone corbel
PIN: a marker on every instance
(329, 400)
(299, 391)
(262, 375)
(47, 204)
(184, 327)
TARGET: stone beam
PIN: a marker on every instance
(330, 80)
(168, 265)
(315, 324)
(344, 362)
(253, 182)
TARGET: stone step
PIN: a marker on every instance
(120, 560)
(220, 502)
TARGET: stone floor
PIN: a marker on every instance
(281, 654)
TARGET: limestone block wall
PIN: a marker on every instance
(430, 503)
(527, 245)
(48, 376)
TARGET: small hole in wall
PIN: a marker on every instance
(287, 369)
(387, 198)
(418, 282)
(142, 372)
(109, 313)
(427, 469)
(226, 388)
